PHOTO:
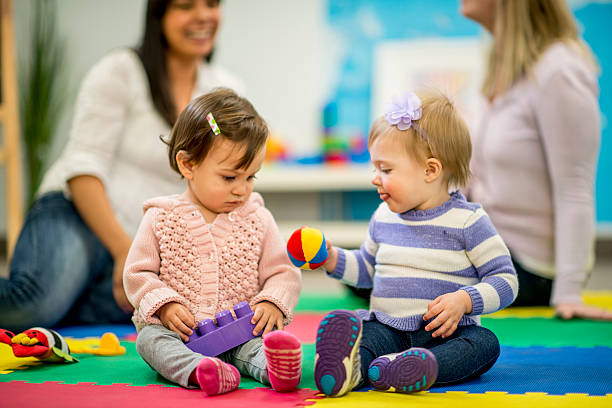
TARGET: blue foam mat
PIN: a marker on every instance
(555, 371)
(120, 330)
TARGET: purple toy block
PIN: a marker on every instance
(211, 340)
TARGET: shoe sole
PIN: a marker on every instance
(338, 338)
(411, 371)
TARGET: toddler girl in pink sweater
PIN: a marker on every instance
(213, 246)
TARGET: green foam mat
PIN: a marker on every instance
(550, 332)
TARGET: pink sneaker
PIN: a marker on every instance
(284, 360)
(216, 377)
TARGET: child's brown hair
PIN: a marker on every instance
(237, 121)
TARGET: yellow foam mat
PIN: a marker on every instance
(9, 363)
(458, 399)
(602, 299)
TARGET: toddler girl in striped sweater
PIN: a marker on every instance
(204, 251)
(434, 261)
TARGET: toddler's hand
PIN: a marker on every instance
(267, 315)
(332, 257)
(449, 308)
(177, 318)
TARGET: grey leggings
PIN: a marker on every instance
(165, 352)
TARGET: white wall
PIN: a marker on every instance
(278, 47)
(285, 55)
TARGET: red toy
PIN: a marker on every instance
(44, 344)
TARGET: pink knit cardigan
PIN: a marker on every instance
(177, 257)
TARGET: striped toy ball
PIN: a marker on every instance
(306, 248)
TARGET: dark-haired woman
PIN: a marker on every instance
(68, 262)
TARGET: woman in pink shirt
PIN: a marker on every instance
(535, 151)
(204, 251)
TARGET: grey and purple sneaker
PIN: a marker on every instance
(337, 363)
(413, 370)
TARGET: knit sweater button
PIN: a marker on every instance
(230, 216)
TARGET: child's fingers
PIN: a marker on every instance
(435, 323)
(257, 315)
(182, 335)
(279, 323)
(261, 323)
(187, 318)
(269, 326)
(187, 322)
(446, 329)
(180, 325)
(433, 309)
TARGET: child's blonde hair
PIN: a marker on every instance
(237, 121)
(440, 133)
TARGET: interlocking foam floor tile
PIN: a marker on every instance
(127, 369)
(555, 371)
(304, 326)
(327, 302)
(550, 332)
(523, 312)
(598, 298)
(375, 399)
(85, 395)
(602, 299)
(518, 370)
(9, 363)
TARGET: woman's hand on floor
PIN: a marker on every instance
(582, 311)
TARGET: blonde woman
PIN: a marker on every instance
(535, 151)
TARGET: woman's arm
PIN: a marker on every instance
(91, 201)
(568, 115)
(90, 154)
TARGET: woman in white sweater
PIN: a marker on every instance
(68, 262)
(535, 151)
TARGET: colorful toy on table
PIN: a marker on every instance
(306, 248)
(211, 340)
(45, 344)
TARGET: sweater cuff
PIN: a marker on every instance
(477, 301)
(281, 297)
(155, 299)
(338, 272)
(566, 291)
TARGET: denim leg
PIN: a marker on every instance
(164, 351)
(56, 259)
(97, 304)
(468, 353)
(250, 359)
(377, 340)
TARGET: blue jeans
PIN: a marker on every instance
(468, 353)
(60, 273)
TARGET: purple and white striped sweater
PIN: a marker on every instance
(409, 259)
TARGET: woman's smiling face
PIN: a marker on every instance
(190, 27)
